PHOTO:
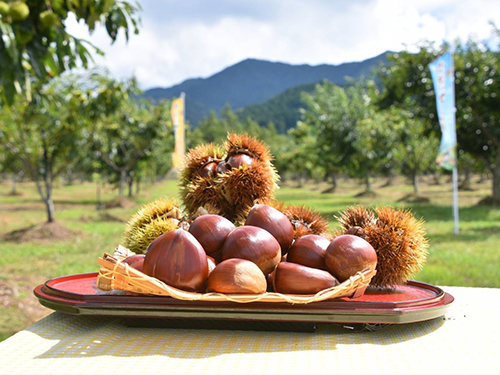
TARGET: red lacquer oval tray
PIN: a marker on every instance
(413, 302)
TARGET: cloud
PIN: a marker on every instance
(197, 38)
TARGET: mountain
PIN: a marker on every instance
(283, 109)
(253, 81)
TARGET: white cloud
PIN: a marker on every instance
(198, 38)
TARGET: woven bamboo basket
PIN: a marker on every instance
(114, 274)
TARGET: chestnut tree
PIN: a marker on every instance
(35, 45)
(335, 114)
(135, 135)
(44, 133)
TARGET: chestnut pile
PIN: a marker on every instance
(230, 235)
(213, 255)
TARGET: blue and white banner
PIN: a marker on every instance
(443, 77)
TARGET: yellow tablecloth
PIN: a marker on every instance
(464, 341)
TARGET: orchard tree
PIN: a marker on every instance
(44, 133)
(376, 143)
(130, 134)
(299, 156)
(414, 150)
(35, 45)
(478, 102)
(334, 113)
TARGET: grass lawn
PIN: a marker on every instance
(471, 258)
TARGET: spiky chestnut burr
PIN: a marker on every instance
(401, 246)
(198, 187)
(246, 144)
(149, 222)
(306, 220)
(251, 176)
(354, 220)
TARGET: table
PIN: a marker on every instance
(464, 341)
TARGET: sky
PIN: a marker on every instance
(185, 39)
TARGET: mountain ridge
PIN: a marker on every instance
(253, 81)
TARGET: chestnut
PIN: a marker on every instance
(237, 276)
(135, 261)
(309, 250)
(222, 167)
(211, 232)
(274, 221)
(211, 264)
(292, 278)
(239, 160)
(177, 259)
(208, 170)
(254, 244)
(348, 254)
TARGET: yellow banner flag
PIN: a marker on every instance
(177, 113)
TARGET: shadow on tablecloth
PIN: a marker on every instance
(84, 336)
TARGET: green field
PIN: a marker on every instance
(471, 258)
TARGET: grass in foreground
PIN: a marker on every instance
(468, 259)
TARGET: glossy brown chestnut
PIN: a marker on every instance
(270, 281)
(292, 278)
(239, 160)
(177, 259)
(348, 254)
(222, 167)
(274, 221)
(309, 250)
(237, 276)
(136, 261)
(211, 264)
(254, 244)
(211, 231)
(208, 171)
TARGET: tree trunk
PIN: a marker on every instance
(367, 182)
(131, 185)
(496, 178)
(48, 181)
(333, 176)
(389, 179)
(49, 203)
(466, 181)
(137, 186)
(123, 181)
(70, 177)
(415, 182)
(50, 210)
(13, 189)
(436, 178)
(98, 196)
(16, 177)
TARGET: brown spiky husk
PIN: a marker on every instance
(197, 158)
(243, 143)
(196, 191)
(243, 186)
(306, 220)
(401, 246)
(204, 193)
(356, 216)
(139, 238)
